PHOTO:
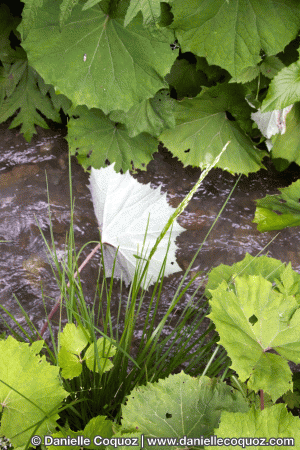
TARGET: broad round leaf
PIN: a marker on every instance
(202, 128)
(95, 139)
(178, 406)
(251, 319)
(232, 33)
(95, 61)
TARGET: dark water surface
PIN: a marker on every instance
(23, 196)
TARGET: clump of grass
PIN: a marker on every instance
(103, 393)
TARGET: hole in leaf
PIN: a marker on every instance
(278, 213)
(229, 116)
(186, 151)
(282, 200)
(168, 416)
(253, 319)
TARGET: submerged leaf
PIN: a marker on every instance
(122, 207)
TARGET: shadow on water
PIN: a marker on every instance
(23, 195)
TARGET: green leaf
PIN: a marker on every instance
(66, 8)
(149, 8)
(97, 139)
(186, 79)
(29, 14)
(287, 145)
(272, 269)
(252, 397)
(270, 66)
(105, 350)
(8, 25)
(202, 128)
(97, 426)
(275, 212)
(284, 89)
(31, 375)
(72, 340)
(274, 422)
(150, 116)
(28, 97)
(292, 399)
(277, 327)
(178, 406)
(213, 73)
(95, 61)
(231, 35)
(246, 75)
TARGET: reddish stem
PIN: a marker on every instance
(55, 307)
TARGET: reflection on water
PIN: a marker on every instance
(23, 203)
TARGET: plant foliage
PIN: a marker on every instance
(129, 73)
(30, 392)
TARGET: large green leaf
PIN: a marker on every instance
(275, 212)
(252, 319)
(150, 116)
(38, 382)
(274, 422)
(231, 34)
(95, 61)
(265, 266)
(284, 89)
(178, 406)
(202, 128)
(96, 139)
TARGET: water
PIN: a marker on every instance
(23, 200)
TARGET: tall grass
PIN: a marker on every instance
(102, 393)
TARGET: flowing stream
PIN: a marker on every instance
(23, 201)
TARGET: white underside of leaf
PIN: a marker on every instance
(122, 206)
(270, 123)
